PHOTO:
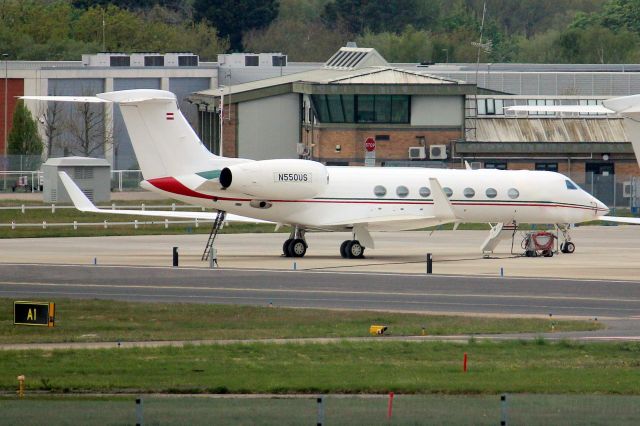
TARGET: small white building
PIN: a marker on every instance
(92, 175)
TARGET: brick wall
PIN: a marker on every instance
(15, 88)
(351, 142)
(230, 131)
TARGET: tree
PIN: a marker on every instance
(88, 130)
(302, 41)
(234, 17)
(359, 16)
(24, 138)
(409, 46)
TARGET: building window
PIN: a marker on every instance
(491, 193)
(251, 61)
(279, 61)
(188, 61)
(380, 191)
(590, 102)
(500, 165)
(541, 102)
(424, 192)
(154, 61)
(490, 107)
(120, 61)
(550, 167)
(362, 108)
(382, 137)
(402, 191)
(469, 192)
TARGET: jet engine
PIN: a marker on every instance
(276, 179)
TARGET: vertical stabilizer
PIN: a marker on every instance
(164, 142)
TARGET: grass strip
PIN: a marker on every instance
(345, 367)
(105, 320)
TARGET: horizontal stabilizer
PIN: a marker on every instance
(620, 219)
(82, 203)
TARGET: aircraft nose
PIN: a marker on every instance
(602, 207)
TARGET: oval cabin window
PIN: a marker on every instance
(447, 191)
(402, 191)
(380, 191)
(513, 193)
(424, 192)
(491, 193)
(469, 192)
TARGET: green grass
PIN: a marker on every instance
(104, 320)
(345, 367)
(529, 409)
(66, 215)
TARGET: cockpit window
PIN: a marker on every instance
(570, 185)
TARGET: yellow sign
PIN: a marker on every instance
(34, 313)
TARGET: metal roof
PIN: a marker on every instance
(367, 75)
(76, 161)
(550, 129)
(350, 58)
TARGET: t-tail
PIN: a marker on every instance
(163, 141)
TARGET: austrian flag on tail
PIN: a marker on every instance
(169, 116)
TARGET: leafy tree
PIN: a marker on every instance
(233, 18)
(410, 45)
(360, 16)
(621, 15)
(301, 40)
(24, 138)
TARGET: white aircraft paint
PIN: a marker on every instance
(309, 195)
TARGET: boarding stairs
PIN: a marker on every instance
(217, 225)
(498, 233)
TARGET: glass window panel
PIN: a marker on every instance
(383, 108)
(513, 193)
(347, 107)
(380, 191)
(402, 191)
(336, 114)
(366, 113)
(469, 192)
(320, 105)
(448, 192)
(499, 106)
(424, 191)
(491, 193)
(482, 106)
(399, 109)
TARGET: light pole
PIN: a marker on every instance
(6, 78)
(221, 119)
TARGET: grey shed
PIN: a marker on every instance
(92, 175)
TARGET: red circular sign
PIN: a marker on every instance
(370, 144)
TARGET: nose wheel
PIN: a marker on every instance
(351, 249)
(567, 246)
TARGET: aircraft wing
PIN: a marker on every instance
(620, 219)
(82, 203)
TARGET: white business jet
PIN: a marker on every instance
(308, 195)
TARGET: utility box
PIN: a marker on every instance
(92, 175)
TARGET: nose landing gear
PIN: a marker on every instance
(567, 246)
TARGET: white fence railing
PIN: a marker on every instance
(106, 224)
(53, 207)
(32, 181)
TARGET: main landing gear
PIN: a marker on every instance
(351, 249)
(295, 245)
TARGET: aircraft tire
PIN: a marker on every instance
(355, 250)
(343, 249)
(285, 248)
(297, 248)
(569, 247)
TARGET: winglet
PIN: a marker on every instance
(80, 200)
(441, 205)
(467, 166)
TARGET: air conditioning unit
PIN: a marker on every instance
(627, 189)
(417, 153)
(438, 152)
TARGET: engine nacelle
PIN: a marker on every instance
(276, 179)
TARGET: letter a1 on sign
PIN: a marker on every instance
(370, 144)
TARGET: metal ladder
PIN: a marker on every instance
(217, 224)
